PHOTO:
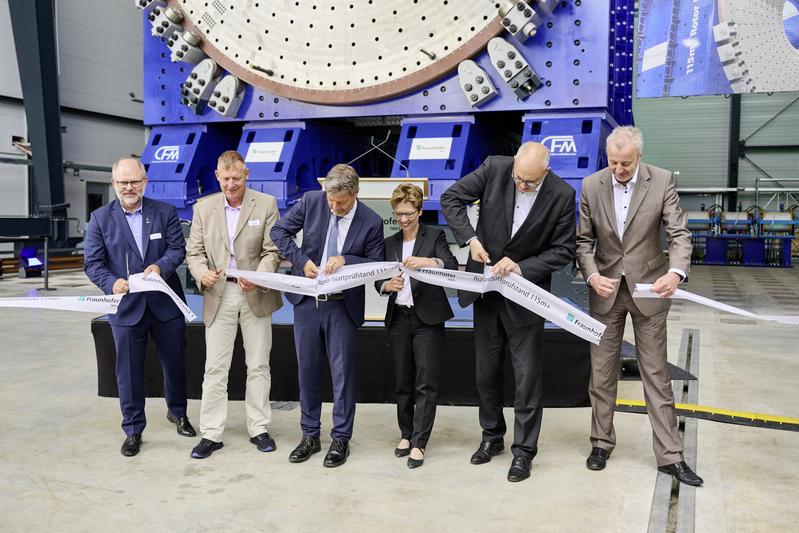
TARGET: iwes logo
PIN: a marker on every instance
(560, 145)
(167, 154)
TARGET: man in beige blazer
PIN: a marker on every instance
(230, 230)
(622, 210)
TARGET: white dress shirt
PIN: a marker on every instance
(232, 217)
(622, 192)
(522, 205)
(404, 296)
(343, 227)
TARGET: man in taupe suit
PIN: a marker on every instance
(230, 230)
(622, 210)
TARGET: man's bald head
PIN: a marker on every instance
(530, 165)
(533, 155)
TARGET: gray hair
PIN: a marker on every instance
(341, 178)
(142, 171)
(621, 134)
(530, 147)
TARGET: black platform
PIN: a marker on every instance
(566, 367)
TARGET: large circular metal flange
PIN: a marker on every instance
(340, 52)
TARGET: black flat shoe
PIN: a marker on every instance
(264, 442)
(337, 454)
(131, 445)
(415, 463)
(402, 452)
(683, 473)
(205, 448)
(519, 469)
(305, 449)
(182, 424)
(597, 459)
(486, 451)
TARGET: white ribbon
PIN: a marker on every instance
(154, 282)
(643, 290)
(513, 287)
(106, 304)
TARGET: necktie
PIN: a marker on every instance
(332, 241)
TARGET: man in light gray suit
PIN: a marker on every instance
(622, 210)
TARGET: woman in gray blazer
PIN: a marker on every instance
(415, 319)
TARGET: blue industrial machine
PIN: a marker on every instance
(297, 89)
(748, 237)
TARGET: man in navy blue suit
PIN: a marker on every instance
(136, 234)
(337, 230)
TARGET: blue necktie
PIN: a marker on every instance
(332, 242)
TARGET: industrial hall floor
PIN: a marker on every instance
(60, 466)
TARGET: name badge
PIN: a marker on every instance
(253, 222)
(155, 236)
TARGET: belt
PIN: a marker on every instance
(232, 280)
(331, 297)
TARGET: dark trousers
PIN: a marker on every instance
(131, 346)
(493, 332)
(329, 330)
(417, 361)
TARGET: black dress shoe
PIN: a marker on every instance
(305, 449)
(683, 473)
(131, 445)
(264, 442)
(597, 459)
(402, 452)
(415, 463)
(205, 448)
(182, 423)
(520, 469)
(486, 451)
(337, 454)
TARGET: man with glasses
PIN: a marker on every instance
(526, 226)
(230, 230)
(337, 230)
(129, 235)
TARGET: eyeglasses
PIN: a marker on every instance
(409, 215)
(529, 184)
(125, 184)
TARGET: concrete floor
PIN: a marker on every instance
(60, 466)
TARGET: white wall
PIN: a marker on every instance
(13, 178)
(100, 62)
(99, 141)
(99, 56)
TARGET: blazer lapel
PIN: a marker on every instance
(420, 236)
(641, 188)
(606, 194)
(352, 233)
(220, 218)
(124, 228)
(148, 215)
(394, 247)
(509, 201)
(247, 205)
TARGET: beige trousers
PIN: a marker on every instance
(219, 338)
(650, 343)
